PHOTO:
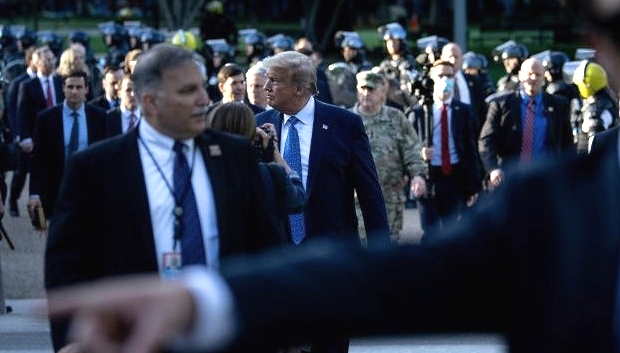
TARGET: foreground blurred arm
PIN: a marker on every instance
(143, 314)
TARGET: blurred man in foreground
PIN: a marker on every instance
(531, 265)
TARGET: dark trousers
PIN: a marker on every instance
(19, 176)
(446, 202)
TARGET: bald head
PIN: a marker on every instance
(453, 53)
(532, 76)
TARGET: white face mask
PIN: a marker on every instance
(444, 86)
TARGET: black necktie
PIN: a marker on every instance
(186, 211)
(74, 137)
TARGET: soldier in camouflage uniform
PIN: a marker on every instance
(394, 144)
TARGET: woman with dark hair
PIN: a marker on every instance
(285, 190)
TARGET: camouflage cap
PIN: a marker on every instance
(369, 78)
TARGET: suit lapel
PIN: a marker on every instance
(455, 127)
(60, 95)
(133, 187)
(57, 127)
(321, 133)
(550, 113)
(216, 169)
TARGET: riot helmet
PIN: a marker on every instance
(114, 35)
(555, 63)
(349, 39)
(52, 40)
(134, 33)
(80, 37)
(219, 47)
(280, 43)
(510, 49)
(253, 38)
(590, 78)
(7, 38)
(392, 31)
(472, 61)
(27, 38)
(185, 39)
(431, 47)
(149, 37)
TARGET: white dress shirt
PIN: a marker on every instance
(161, 199)
(454, 158)
(125, 118)
(304, 129)
(67, 124)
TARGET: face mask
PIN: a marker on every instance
(444, 86)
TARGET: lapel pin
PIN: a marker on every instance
(550, 109)
(215, 150)
(324, 127)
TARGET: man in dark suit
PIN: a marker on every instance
(13, 90)
(466, 88)
(52, 140)
(231, 82)
(122, 209)
(532, 265)
(127, 115)
(452, 155)
(34, 95)
(111, 78)
(505, 138)
(335, 160)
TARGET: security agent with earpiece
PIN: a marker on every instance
(599, 110)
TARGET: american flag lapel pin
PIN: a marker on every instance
(215, 150)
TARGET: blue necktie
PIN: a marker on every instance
(74, 136)
(192, 245)
(292, 156)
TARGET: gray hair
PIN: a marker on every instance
(152, 63)
(257, 69)
(300, 68)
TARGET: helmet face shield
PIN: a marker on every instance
(392, 31)
(590, 78)
(185, 39)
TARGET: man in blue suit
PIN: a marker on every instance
(336, 161)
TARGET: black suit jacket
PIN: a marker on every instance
(113, 123)
(534, 266)
(101, 102)
(500, 138)
(102, 225)
(464, 134)
(340, 165)
(11, 103)
(48, 156)
(31, 101)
